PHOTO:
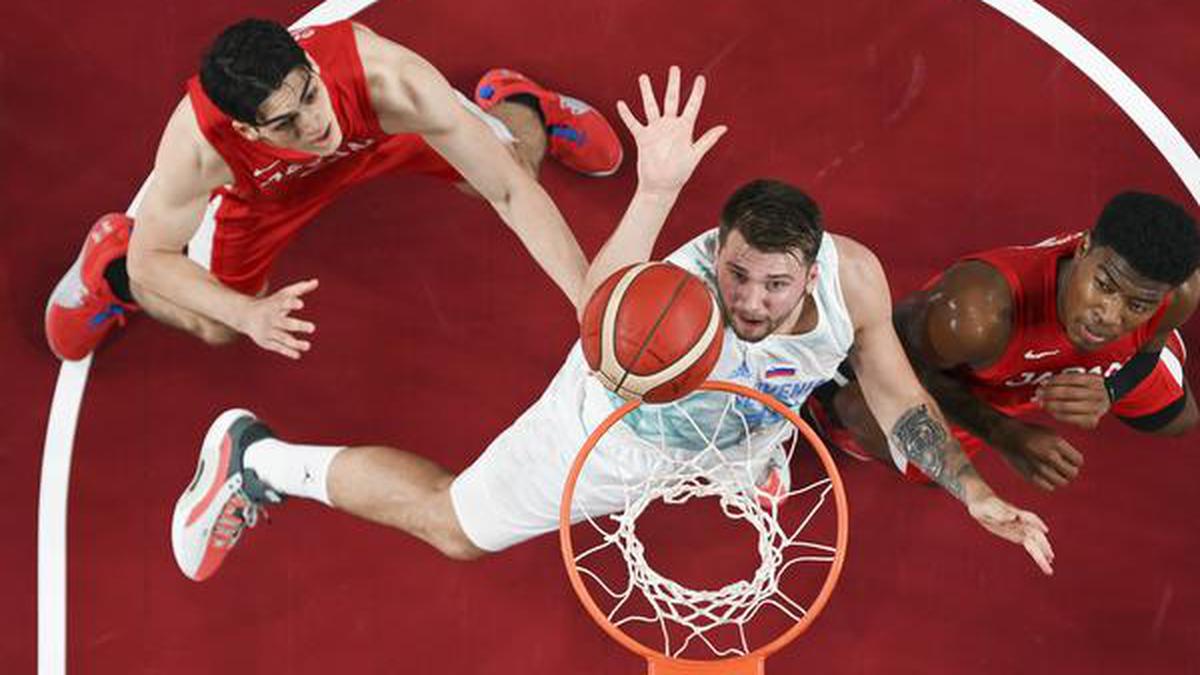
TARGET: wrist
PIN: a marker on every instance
(974, 490)
(658, 195)
(1006, 434)
(237, 316)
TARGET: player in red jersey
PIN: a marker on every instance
(1075, 326)
(271, 131)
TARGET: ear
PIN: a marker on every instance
(1085, 245)
(246, 131)
(814, 272)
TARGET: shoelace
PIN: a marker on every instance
(239, 513)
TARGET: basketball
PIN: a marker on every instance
(652, 331)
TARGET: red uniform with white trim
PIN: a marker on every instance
(276, 191)
(1038, 347)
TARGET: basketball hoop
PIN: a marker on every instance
(721, 460)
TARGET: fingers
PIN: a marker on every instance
(691, 109)
(1084, 380)
(649, 104)
(1038, 547)
(285, 344)
(298, 289)
(627, 116)
(1051, 475)
(671, 100)
(298, 326)
(709, 139)
(1040, 481)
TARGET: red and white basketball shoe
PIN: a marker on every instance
(223, 499)
(579, 136)
(82, 309)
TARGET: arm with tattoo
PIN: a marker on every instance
(924, 441)
(962, 320)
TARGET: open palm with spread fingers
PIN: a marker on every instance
(1016, 525)
(667, 155)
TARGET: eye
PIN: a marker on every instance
(1104, 286)
(1139, 307)
(774, 286)
(312, 95)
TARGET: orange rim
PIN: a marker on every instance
(751, 662)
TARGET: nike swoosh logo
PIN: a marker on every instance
(1034, 356)
(259, 172)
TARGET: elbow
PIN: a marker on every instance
(139, 265)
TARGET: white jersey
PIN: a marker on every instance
(787, 367)
(512, 491)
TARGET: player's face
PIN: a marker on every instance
(299, 116)
(1104, 298)
(761, 292)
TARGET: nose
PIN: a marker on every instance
(310, 124)
(751, 298)
(1109, 311)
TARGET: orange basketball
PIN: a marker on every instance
(652, 331)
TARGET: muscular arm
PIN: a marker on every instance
(914, 425)
(411, 96)
(962, 320)
(186, 170)
(909, 417)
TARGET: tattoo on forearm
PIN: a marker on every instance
(922, 439)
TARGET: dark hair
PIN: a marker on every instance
(1153, 234)
(246, 63)
(773, 217)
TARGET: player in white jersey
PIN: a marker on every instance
(796, 300)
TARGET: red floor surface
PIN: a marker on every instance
(925, 128)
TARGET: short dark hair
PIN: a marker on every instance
(773, 217)
(1153, 234)
(246, 63)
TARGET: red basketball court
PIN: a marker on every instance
(925, 128)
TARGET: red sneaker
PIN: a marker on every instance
(578, 134)
(82, 310)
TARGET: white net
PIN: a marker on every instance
(741, 459)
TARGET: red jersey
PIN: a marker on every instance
(264, 172)
(1038, 347)
(275, 192)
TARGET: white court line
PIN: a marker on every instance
(1119, 87)
(60, 438)
(60, 432)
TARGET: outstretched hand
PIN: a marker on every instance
(1020, 527)
(268, 321)
(667, 155)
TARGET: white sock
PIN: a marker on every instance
(293, 469)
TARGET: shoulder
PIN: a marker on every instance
(965, 317)
(863, 281)
(859, 269)
(186, 156)
(403, 86)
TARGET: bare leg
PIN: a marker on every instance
(852, 410)
(213, 332)
(401, 490)
(530, 147)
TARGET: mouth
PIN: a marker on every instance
(325, 136)
(1093, 337)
